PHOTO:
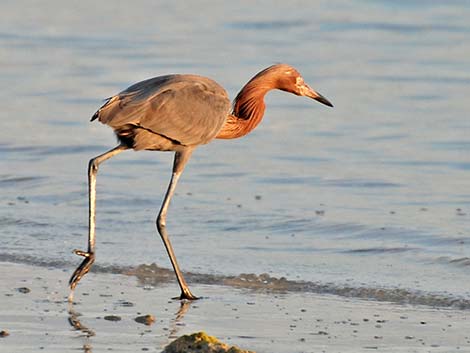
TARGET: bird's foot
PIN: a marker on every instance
(81, 270)
(186, 294)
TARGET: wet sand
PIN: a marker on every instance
(35, 313)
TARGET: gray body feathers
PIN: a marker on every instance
(167, 113)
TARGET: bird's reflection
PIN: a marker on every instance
(87, 348)
(76, 324)
(175, 323)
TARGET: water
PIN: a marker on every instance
(371, 195)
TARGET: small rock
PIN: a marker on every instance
(112, 318)
(145, 319)
(322, 333)
(23, 290)
(125, 303)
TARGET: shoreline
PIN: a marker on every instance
(103, 317)
(150, 275)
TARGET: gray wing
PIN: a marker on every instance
(188, 109)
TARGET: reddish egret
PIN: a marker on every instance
(178, 113)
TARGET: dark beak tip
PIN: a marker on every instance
(324, 101)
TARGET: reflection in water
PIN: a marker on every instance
(76, 323)
(78, 326)
(174, 327)
(87, 348)
(175, 323)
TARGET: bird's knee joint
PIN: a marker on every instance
(161, 223)
(93, 166)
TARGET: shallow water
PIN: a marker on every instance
(374, 193)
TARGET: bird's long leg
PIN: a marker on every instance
(90, 254)
(181, 159)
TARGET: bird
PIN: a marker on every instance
(177, 113)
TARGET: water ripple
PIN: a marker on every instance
(407, 28)
(379, 250)
(460, 261)
(7, 180)
(267, 25)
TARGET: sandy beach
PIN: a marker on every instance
(35, 313)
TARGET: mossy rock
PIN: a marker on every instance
(200, 342)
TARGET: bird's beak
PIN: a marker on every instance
(309, 92)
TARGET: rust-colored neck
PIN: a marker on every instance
(248, 107)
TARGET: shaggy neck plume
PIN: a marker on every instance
(248, 107)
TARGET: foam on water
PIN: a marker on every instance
(153, 275)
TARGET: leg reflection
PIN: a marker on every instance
(74, 321)
(176, 323)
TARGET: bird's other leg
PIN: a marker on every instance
(181, 159)
(90, 254)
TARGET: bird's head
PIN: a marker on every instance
(290, 80)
